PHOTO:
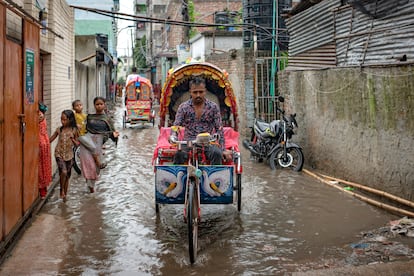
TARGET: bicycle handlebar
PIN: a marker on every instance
(202, 138)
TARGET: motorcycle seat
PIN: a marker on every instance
(262, 125)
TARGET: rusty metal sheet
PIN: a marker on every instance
(311, 28)
(320, 57)
(2, 37)
(13, 151)
(363, 40)
(31, 136)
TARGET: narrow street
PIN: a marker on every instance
(289, 222)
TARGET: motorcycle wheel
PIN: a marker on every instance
(76, 164)
(294, 160)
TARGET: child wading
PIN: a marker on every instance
(67, 135)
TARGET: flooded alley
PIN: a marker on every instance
(289, 222)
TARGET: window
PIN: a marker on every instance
(141, 8)
(159, 8)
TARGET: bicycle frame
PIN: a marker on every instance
(193, 172)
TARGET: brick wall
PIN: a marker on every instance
(238, 65)
(204, 11)
(59, 71)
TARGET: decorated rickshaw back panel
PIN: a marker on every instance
(216, 184)
(138, 99)
(138, 109)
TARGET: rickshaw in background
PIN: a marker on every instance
(197, 182)
(138, 101)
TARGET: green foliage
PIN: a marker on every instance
(191, 18)
(121, 80)
(283, 60)
(140, 53)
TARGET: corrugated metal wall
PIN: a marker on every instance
(312, 28)
(328, 34)
(362, 40)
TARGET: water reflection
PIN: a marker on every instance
(288, 221)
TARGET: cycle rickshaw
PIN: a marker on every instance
(138, 101)
(197, 182)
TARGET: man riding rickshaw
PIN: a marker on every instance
(197, 158)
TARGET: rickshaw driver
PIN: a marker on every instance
(198, 115)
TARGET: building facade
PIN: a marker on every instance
(36, 65)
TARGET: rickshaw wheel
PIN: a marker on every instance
(239, 193)
(153, 118)
(192, 221)
(76, 164)
(124, 120)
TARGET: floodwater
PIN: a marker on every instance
(289, 222)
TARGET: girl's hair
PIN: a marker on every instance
(99, 98)
(75, 102)
(71, 117)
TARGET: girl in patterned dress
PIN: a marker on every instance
(67, 135)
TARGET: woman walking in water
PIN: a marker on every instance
(99, 129)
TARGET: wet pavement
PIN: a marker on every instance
(289, 223)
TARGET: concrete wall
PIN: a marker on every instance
(207, 43)
(356, 123)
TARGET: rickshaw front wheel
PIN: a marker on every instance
(238, 183)
(192, 221)
(124, 121)
(77, 164)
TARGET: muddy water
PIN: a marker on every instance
(288, 222)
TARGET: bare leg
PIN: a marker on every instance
(91, 185)
(62, 177)
(66, 187)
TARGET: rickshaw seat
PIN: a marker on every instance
(231, 140)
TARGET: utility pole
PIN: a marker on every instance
(151, 43)
(184, 12)
(275, 34)
(132, 47)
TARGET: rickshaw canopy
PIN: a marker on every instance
(136, 84)
(176, 90)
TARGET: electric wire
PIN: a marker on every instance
(136, 18)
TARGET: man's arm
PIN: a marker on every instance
(179, 117)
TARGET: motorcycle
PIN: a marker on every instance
(271, 141)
